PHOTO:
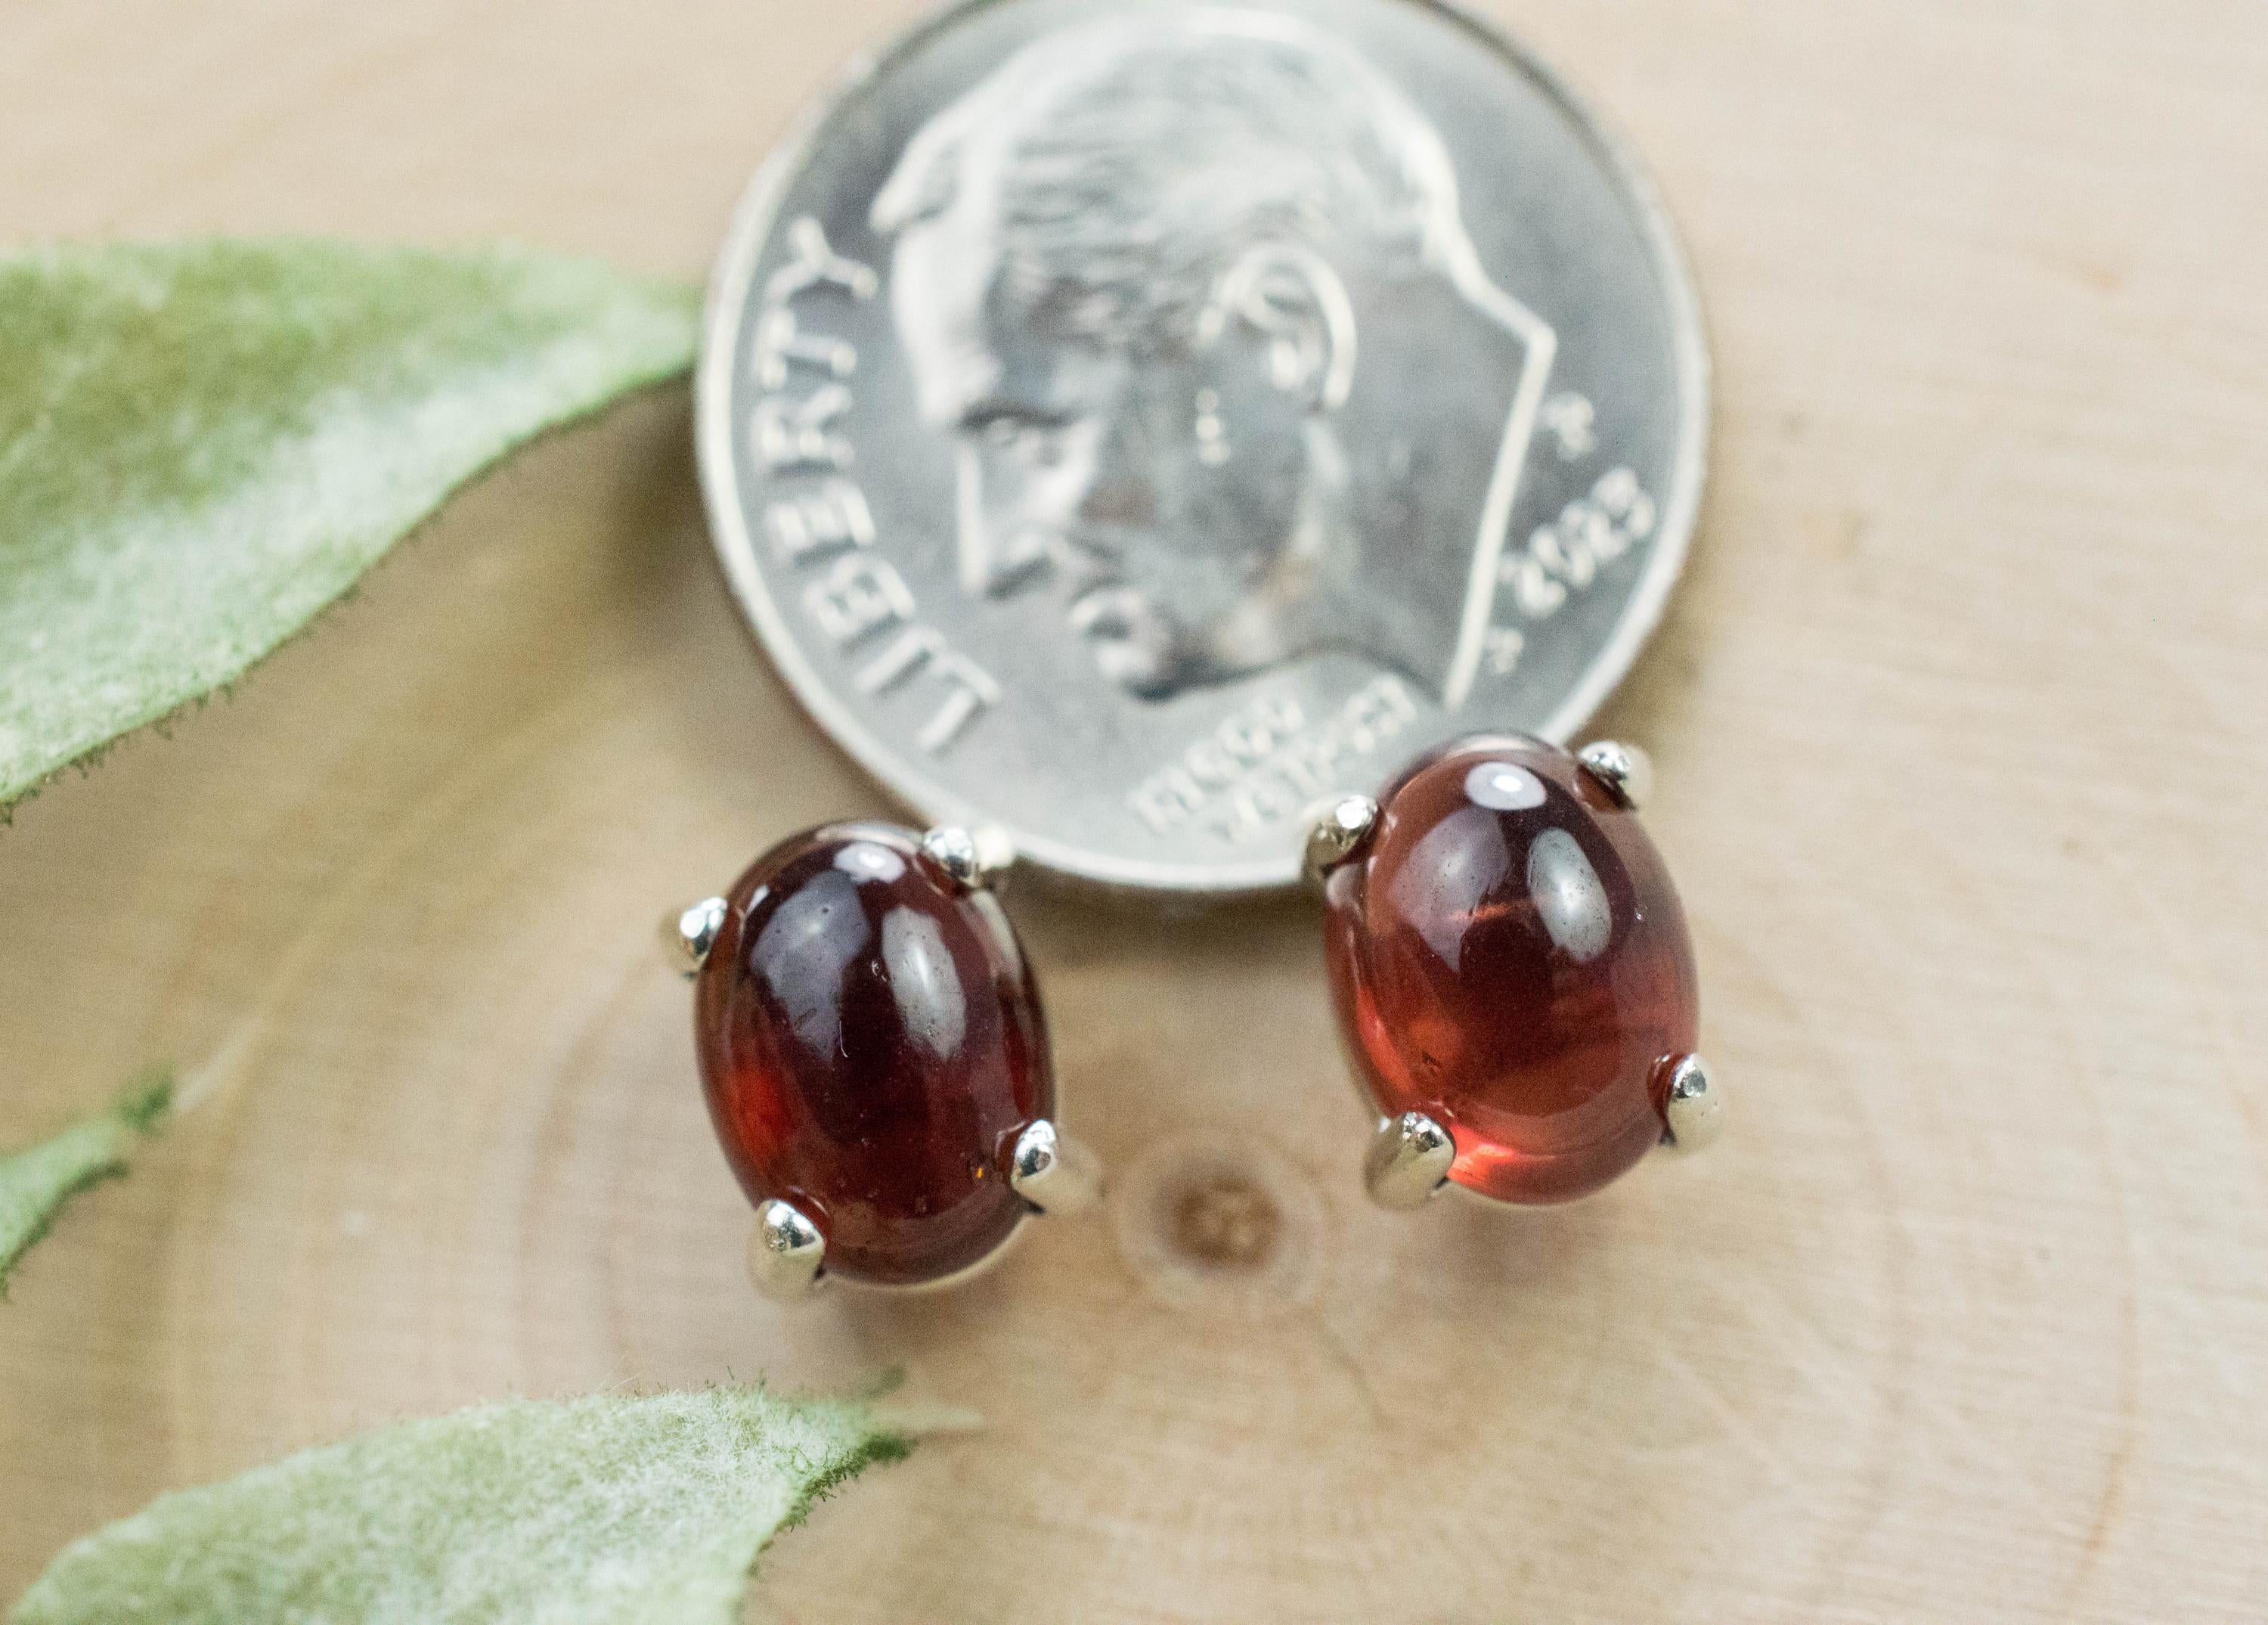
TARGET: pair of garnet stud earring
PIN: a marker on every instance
(1508, 958)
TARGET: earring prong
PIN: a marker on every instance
(1054, 1172)
(1339, 834)
(1626, 771)
(1693, 1105)
(1407, 1160)
(785, 1250)
(690, 933)
(974, 859)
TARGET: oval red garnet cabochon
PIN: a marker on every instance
(1508, 955)
(871, 1045)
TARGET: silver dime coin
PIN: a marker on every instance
(1129, 424)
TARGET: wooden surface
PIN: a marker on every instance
(1965, 754)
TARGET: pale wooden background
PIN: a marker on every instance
(1965, 763)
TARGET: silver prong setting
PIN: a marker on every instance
(1626, 771)
(1693, 1105)
(1052, 1171)
(965, 855)
(1408, 1161)
(785, 1250)
(1339, 834)
(690, 933)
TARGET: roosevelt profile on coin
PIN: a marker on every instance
(1226, 378)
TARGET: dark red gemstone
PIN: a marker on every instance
(871, 1045)
(1508, 955)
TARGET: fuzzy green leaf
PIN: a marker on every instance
(616, 1510)
(36, 1182)
(203, 444)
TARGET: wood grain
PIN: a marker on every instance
(1964, 757)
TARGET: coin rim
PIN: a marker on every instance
(752, 221)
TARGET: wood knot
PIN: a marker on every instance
(1218, 1220)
